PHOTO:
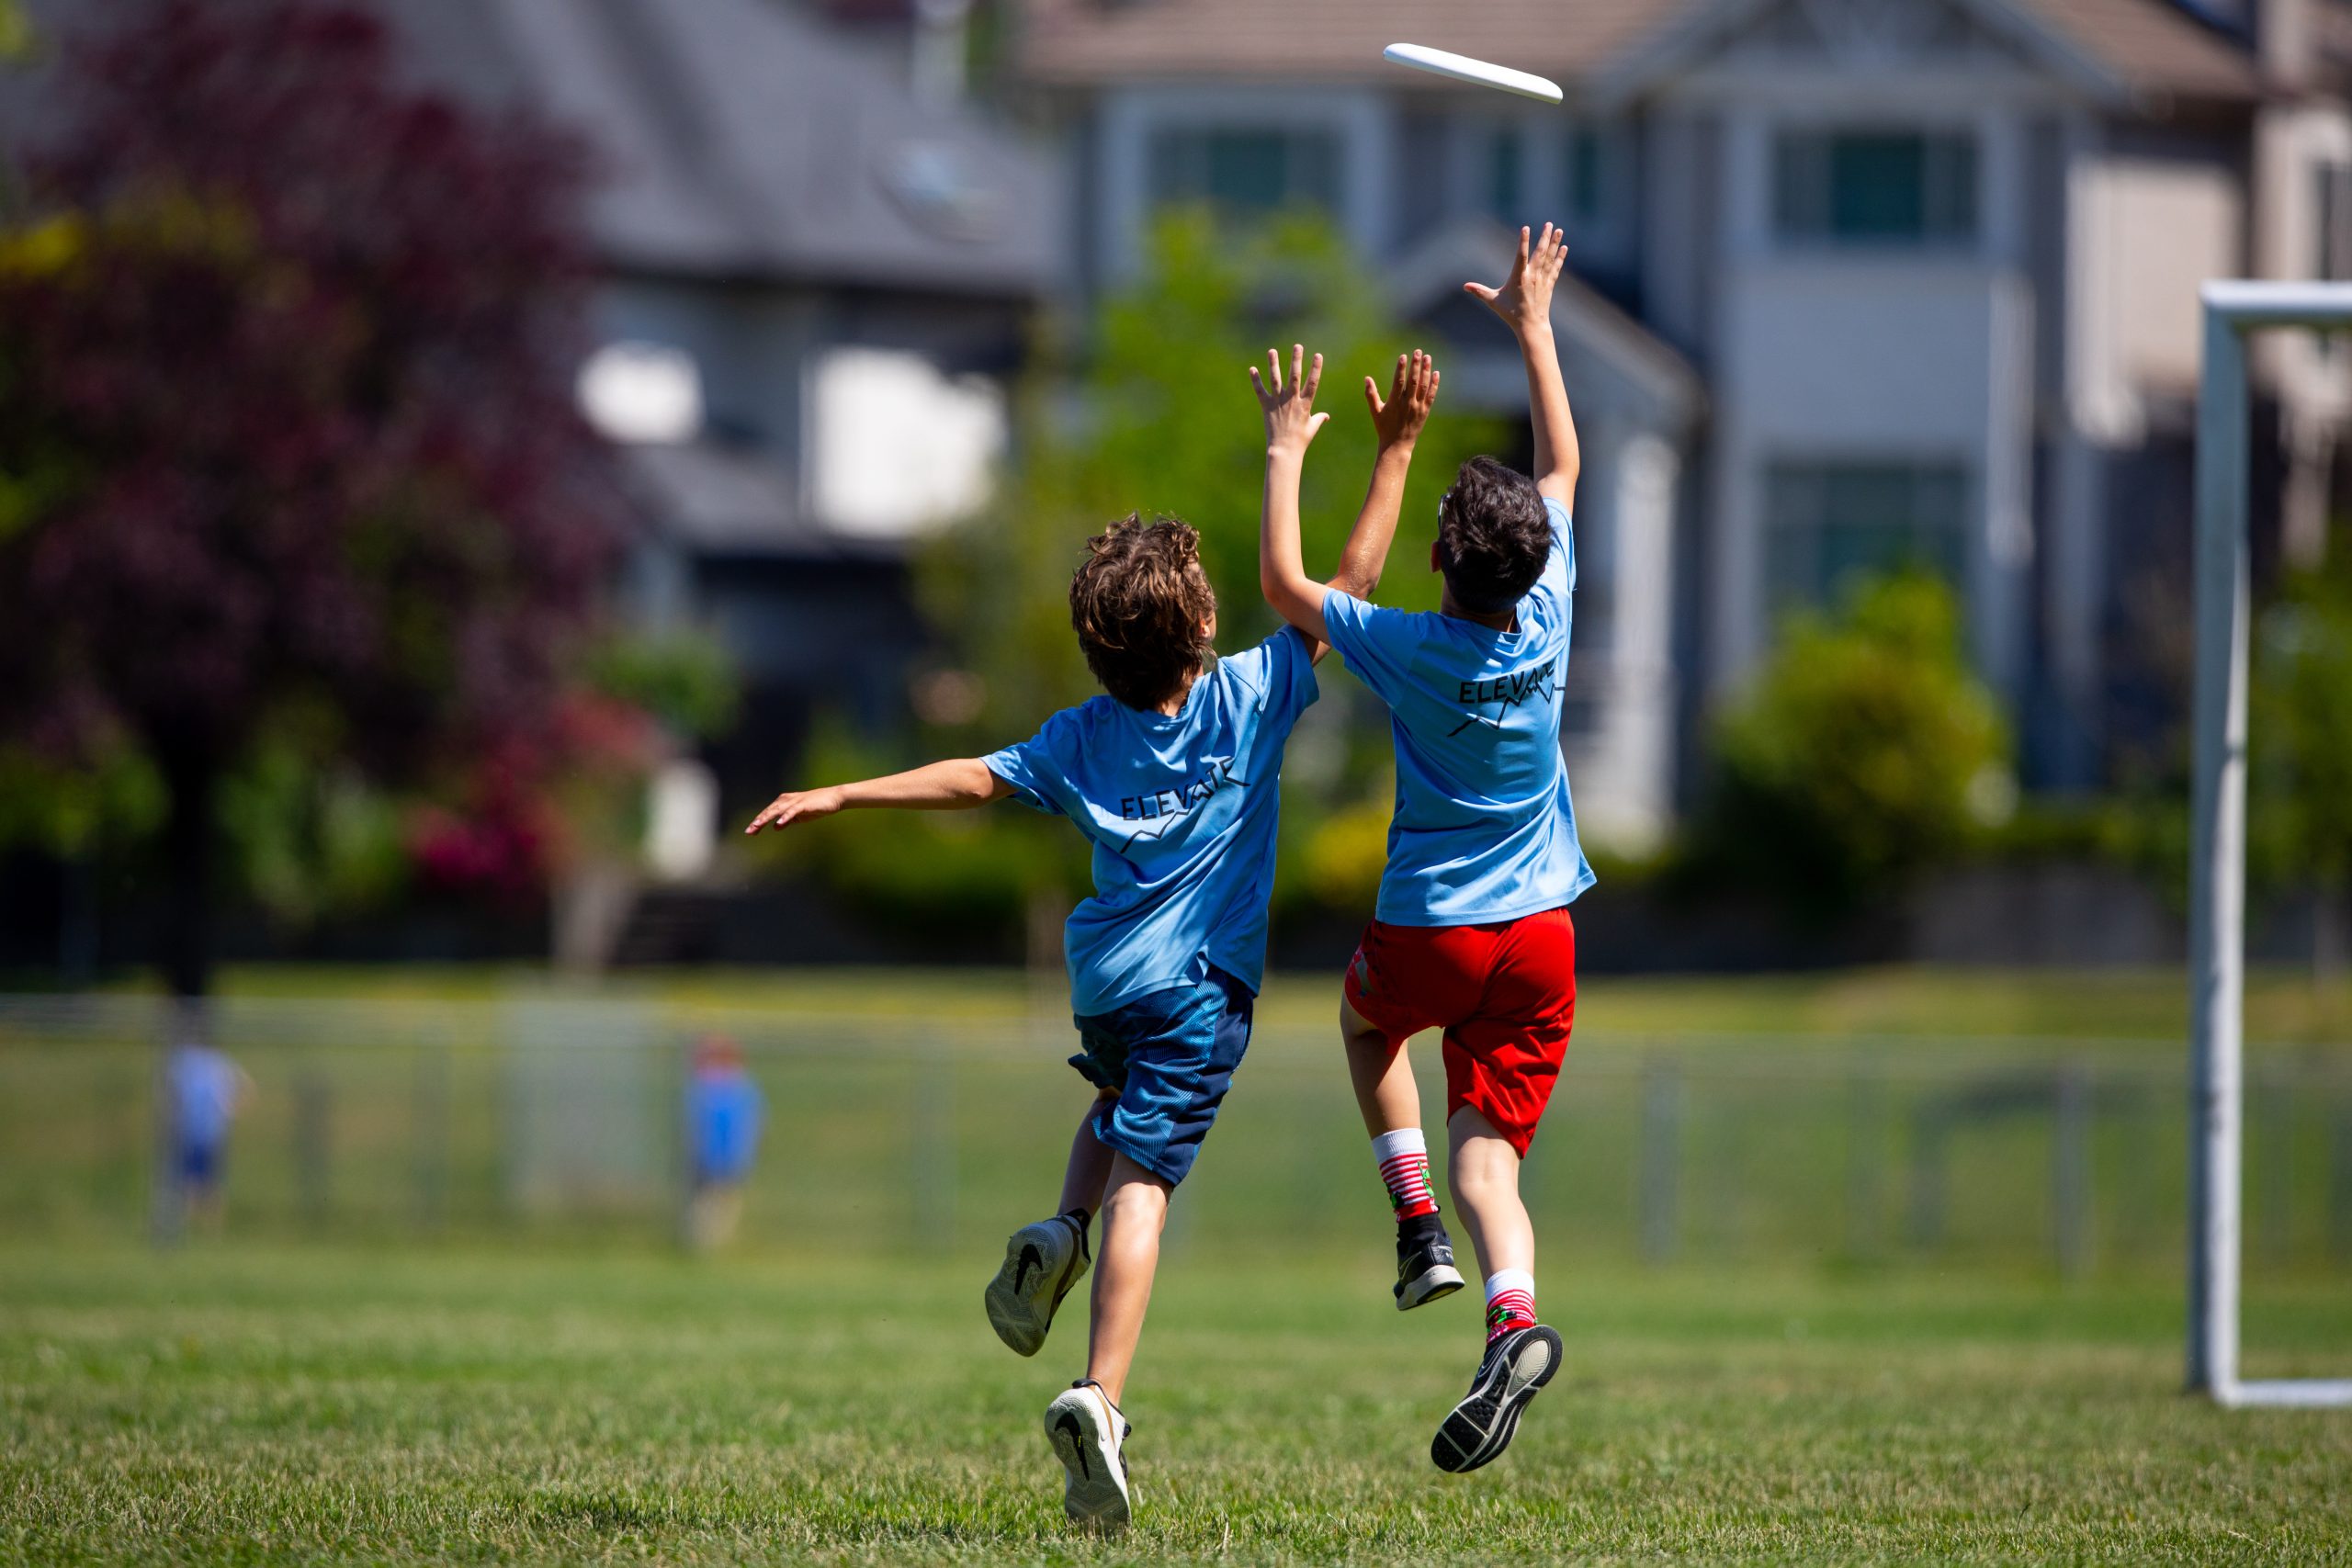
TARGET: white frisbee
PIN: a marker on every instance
(1462, 68)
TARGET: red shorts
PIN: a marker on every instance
(1505, 995)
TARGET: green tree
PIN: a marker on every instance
(1863, 755)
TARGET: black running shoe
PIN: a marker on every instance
(1481, 1427)
(1425, 1268)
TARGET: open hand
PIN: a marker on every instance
(1411, 392)
(798, 806)
(1291, 419)
(1524, 300)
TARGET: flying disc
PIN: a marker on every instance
(1462, 68)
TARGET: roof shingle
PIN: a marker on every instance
(2151, 46)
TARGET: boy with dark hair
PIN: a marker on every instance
(1472, 932)
(1172, 777)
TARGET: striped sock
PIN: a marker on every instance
(1510, 1302)
(1404, 1159)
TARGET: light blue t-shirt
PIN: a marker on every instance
(723, 1114)
(204, 1094)
(1483, 830)
(1180, 810)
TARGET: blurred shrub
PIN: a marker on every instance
(2299, 730)
(1344, 855)
(685, 678)
(307, 843)
(75, 808)
(1865, 753)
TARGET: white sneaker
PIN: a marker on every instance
(1041, 1263)
(1089, 1438)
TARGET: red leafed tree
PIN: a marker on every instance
(287, 434)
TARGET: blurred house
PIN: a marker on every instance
(818, 279)
(1862, 283)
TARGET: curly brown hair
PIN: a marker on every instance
(1139, 604)
(1493, 537)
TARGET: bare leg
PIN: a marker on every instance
(1381, 1073)
(1135, 1208)
(1089, 1163)
(1484, 1172)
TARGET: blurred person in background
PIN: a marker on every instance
(204, 1091)
(723, 1110)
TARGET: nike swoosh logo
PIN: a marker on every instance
(1030, 1259)
(1069, 1423)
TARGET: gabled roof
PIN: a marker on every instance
(740, 138)
(2145, 47)
(745, 137)
(1084, 41)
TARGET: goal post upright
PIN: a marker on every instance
(2217, 845)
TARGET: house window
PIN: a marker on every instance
(1832, 524)
(1245, 172)
(1582, 164)
(2333, 260)
(1875, 187)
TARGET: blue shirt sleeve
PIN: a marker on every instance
(1280, 673)
(1032, 768)
(1560, 571)
(1377, 642)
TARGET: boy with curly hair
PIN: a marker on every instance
(1171, 775)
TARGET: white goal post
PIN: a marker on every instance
(2217, 846)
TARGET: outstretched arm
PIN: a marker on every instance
(1289, 426)
(1524, 302)
(955, 785)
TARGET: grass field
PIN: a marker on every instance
(245, 1405)
(2139, 1004)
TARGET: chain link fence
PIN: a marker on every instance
(561, 1114)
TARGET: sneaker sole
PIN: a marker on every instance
(1432, 1285)
(1095, 1498)
(1483, 1425)
(1016, 1316)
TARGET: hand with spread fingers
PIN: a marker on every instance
(1524, 299)
(1289, 408)
(1412, 393)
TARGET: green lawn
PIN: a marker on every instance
(2141, 1004)
(274, 1406)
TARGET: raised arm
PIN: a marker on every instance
(1291, 425)
(1524, 302)
(1396, 422)
(1397, 425)
(954, 786)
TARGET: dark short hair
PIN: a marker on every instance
(1138, 603)
(1493, 537)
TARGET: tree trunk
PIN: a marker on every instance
(191, 853)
